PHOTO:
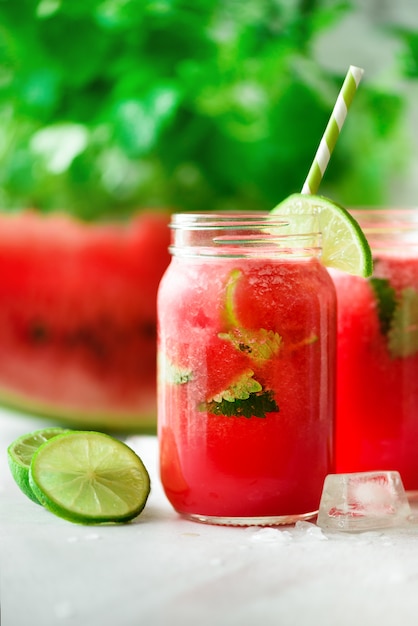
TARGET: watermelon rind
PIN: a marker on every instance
(109, 421)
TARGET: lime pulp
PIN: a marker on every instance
(89, 478)
(20, 453)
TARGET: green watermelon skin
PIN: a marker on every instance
(78, 317)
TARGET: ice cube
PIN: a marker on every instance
(363, 501)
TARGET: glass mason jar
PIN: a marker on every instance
(377, 362)
(246, 370)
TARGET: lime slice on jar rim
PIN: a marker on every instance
(344, 245)
(89, 477)
(20, 453)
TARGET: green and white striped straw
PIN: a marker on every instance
(332, 131)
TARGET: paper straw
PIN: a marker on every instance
(332, 131)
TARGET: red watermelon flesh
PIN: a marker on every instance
(78, 316)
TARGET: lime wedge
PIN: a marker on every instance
(89, 478)
(344, 245)
(20, 453)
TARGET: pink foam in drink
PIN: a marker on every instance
(377, 389)
(246, 371)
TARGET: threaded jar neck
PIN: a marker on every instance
(245, 234)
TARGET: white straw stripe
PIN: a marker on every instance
(340, 112)
(323, 155)
(356, 73)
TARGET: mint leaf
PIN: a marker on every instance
(386, 302)
(260, 345)
(403, 334)
(240, 389)
(244, 398)
(256, 405)
(398, 317)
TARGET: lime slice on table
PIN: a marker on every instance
(89, 478)
(20, 453)
(344, 245)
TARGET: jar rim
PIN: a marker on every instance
(208, 219)
(389, 229)
(385, 217)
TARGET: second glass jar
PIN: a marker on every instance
(377, 364)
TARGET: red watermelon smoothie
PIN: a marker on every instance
(246, 375)
(377, 382)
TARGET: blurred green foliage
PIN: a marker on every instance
(107, 105)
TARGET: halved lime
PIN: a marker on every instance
(90, 478)
(344, 245)
(20, 453)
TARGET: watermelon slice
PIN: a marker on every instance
(78, 317)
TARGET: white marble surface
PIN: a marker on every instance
(162, 570)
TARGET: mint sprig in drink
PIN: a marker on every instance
(246, 365)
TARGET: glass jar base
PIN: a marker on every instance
(270, 520)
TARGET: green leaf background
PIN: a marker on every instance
(109, 105)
